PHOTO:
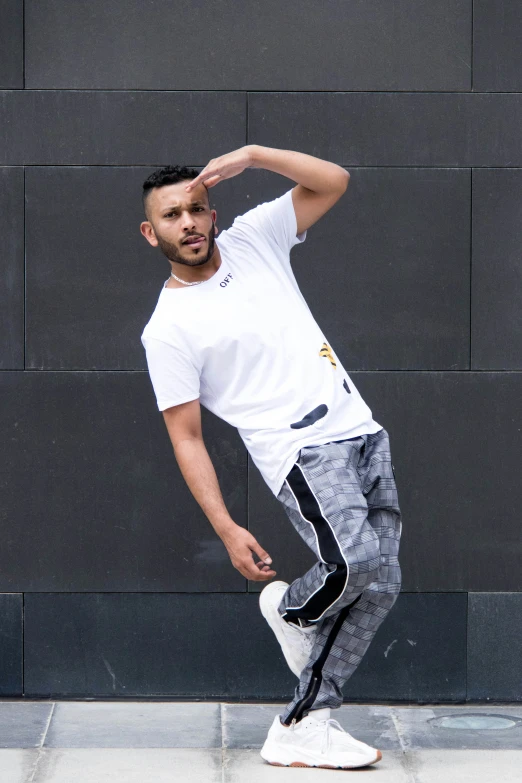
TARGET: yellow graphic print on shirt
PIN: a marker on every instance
(320, 411)
(327, 352)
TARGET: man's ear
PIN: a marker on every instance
(148, 232)
(214, 218)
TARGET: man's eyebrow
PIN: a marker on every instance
(175, 206)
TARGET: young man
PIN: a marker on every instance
(232, 330)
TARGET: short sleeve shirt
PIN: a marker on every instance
(245, 343)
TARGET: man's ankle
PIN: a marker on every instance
(323, 713)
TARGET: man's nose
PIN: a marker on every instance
(187, 220)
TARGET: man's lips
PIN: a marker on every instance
(194, 241)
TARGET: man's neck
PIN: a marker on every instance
(208, 271)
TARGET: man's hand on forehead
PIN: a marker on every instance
(224, 167)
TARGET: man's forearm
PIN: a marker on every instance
(198, 471)
(308, 171)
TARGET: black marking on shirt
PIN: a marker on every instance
(346, 386)
(310, 418)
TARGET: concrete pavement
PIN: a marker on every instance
(127, 741)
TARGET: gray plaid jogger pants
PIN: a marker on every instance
(342, 499)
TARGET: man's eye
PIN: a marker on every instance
(171, 213)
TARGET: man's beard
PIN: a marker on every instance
(171, 252)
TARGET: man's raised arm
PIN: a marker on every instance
(320, 183)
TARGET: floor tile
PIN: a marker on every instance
(466, 766)
(17, 765)
(129, 765)
(417, 729)
(246, 725)
(135, 725)
(23, 723)
(371, 723)
(241, 765)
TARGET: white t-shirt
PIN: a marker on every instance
(247, 345)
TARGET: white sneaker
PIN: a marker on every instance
(296, 643)
(316, 743)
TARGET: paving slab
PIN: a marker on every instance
(246, 725)
(134, 725)
(466, 766)
(418, 728)
(17, 765)
(23, 724)
(247, 764)
(129, 765)
(156, 742)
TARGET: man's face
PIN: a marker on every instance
(176, 218)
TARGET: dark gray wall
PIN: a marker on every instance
(112, 581)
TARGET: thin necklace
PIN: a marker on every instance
(196, 282)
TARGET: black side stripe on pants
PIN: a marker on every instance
(329, 549)
(308, 699)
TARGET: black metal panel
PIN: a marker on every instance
(391, 129)
(12, 44)
(67, 127)
(497, 54)
(11, 644)
(496, 322)
(12, 264)
(495, 644)
(118, 128)
(112, 645)
(301, 45)
(92, 278)
(117, 645)
(92, 497)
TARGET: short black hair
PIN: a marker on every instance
(168, 175)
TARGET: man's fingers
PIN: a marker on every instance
(252, 572)
(195, 182)
(260, 552)
(213, 181)
(206, 177)
(265, 572)
(262, 576)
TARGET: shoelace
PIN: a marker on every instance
(326, 737)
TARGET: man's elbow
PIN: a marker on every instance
(344, 179)
(340, 185)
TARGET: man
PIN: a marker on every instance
(232, 330)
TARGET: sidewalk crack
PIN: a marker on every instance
(40, 747)
(407, 761)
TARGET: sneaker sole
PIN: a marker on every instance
(324, 766)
